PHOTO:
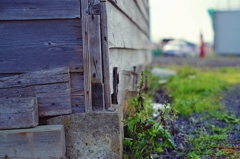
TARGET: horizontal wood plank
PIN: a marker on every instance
(35, 9)
(51, 87)
(143, 7)
(76, 69)
(36, 78)
(18, 113)
(8, 74)
(127, 58)
(39, 142)
(122, 32)
(132, 11)
(27, 46)
(53, 99)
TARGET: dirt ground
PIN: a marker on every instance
(221, 61)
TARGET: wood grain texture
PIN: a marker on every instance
(27, 46)
(51, 87)
(94, 7)
(105, 54)
(76, 69)
(8, 74)
(18, 113)
(78, 105)
(132, 11)
(86, 57)
(36, 78)
(98, 96)
(35, 143)
(77, 92)
(94, 43)
(35, 9)
(122, 32)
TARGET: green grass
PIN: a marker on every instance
(195, 90)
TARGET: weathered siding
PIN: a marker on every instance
(35, 9)
(51, 87)
(128, 75)
(128, 39)
(131, 9)
(42, 35)
(39, 44)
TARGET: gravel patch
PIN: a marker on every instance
(196, 62)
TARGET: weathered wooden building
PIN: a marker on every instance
(71, 56)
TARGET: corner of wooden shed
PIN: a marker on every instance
(72, 63)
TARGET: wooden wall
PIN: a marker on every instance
(128, 38)
(41, 35)
(92, 37)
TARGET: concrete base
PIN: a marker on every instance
(92, 135)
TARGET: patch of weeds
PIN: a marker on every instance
(152, 83)
(146, 136)
(227, 118)
(211, 144)
(218, 130)
(194, 91)
(221, 153)
(229, 74)
(230, 119)
(228, 153)
(204, 144)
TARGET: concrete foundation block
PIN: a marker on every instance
(92, 135)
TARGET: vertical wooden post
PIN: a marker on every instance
(105, 54)
(86, 57)
(94, 38)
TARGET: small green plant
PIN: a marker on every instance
(211, 143)
(203, 143)
(145, 135)
(224, 116)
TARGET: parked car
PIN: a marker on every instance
(179, 48)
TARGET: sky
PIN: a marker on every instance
(185, 19)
